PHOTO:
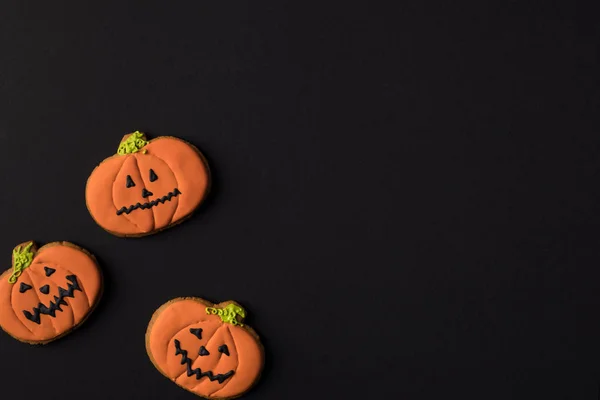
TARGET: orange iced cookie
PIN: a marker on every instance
(147, 186)
(205, 348)
(48, 292)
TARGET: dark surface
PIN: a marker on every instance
(406, 195)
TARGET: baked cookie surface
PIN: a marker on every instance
(48, 292)
(205, 348)
(147, 186)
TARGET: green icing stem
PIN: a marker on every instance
(133, 143)
(228, 314)
(21, 260)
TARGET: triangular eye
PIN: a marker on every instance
(130, 182)
(24, 287)
(203, 351)
(223, 349)
(153, 176)
(196, 332)
(49, 271)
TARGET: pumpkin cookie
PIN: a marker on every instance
(205, 348)
(48, 292)
(147, 186)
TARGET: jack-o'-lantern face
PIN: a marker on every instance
(48, 292)
(147, 186)
(204, 348)
(149, 191)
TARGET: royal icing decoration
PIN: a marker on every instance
(204, 348)
(48, 291)
(148, 186)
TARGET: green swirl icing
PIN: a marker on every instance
(21, 260)
(134, 143)
(229, 313)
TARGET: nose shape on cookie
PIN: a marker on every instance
(146, 193)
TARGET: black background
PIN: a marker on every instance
(406, 193)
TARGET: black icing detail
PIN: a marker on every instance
(224, 349)
(130, 182)
(198, 372)
(49, 271)
(196, 332)
(153, 176)
(203, 351)
(149, 204)
(59, 302)
(146, 193)
(54, 305)
(73, 280)
(45, 289)
(24, 287)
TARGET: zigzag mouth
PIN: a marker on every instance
(198, 372)
(54, 306)
(149, 204)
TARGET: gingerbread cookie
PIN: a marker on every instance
(48, 292)
(205, 348)
(147, 186)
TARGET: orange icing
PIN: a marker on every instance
(173, 321)
(66, 260)
(177, 164)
